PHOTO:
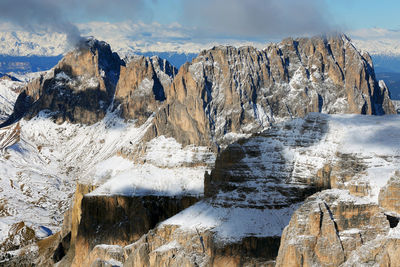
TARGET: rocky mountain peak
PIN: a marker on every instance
(141, 87)
(79, 88)
(243, 103)
(223, 94)
(228, 92)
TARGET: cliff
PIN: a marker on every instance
(141, 87)
(228, 90)
(240, 127)
(261, 204)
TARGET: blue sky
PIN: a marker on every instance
(357, 14)
(349, 14)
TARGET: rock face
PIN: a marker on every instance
(119, 220)
(88, 80)
(335, 228)
(254, 178)
(224, 91)
(20, 240)
(81, 86)
(141, 87)
(261, 164)
(390, 194)
(243, 90)
(328, 228)
(258, 182)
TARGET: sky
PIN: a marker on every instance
(207, 20)
(225, 17)
(358, 14)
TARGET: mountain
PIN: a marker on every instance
(227, 91)
(120, 150)
(392, 79)
(265, 184)
(223, 91)
(27, 64)
(382, 46)
(22, 43)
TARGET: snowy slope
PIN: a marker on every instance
(23, 43)
(373, 141)
(41, 162)
(8, 96)
(168, 169)
(388, 47)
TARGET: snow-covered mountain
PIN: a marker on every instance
(125, 38)
(22, 43)
(387, 47)
(139, 141)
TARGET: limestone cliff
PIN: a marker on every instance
(261, 184)
(79, 88)
(245, 104)
(120, 220)
(243, 90)
(141, 87)
(223, 92)
(333, 228)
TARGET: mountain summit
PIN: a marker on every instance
(224, 90)
(246, 133)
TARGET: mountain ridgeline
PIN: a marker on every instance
(223, 90)
(205, 165)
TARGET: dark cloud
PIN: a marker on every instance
(38, 15)
(110, 10)
(257, 18)
(212, 18)
(55, 15)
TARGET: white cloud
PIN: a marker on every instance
(258, 18)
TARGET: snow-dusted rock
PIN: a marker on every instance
(243, 90)
(223, 95)
(259, 183)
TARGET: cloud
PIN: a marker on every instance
(38, 15)
(218, 19)
(258, 18)
(56, 16)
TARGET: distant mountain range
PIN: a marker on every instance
(23, 52)
(248, 134)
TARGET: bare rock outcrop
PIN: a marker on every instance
(141, 87)
(328, 228)
(223, 95)
(243, 90)
(18, 248)
(267, 181)
(121, 220)
(389, 196)
(80, 87)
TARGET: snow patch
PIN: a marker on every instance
(123, 177)
(233, 224)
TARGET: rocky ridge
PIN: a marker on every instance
(229, 91)
(260, 184)
(224, 94)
